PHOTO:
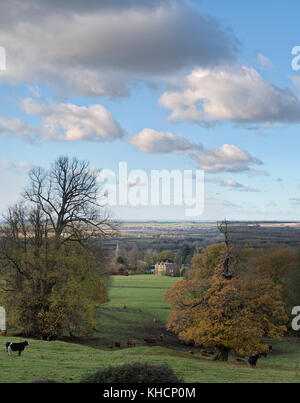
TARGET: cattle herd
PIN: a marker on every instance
(252, 360)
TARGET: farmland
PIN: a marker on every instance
(173, 235)
(142, 297)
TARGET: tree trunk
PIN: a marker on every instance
(221, 353)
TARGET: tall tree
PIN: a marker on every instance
(68, 197)
(229, 315)
(225, 312)
(52, 275)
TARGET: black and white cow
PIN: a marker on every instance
(16, 347)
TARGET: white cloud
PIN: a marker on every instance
(20, 167)
(98, 47)
(232, 184)
(152, 141)
(227, 158)
(264, 62)
(15, 127)
(237, 94)
(64, 122)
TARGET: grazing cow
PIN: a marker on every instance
(131, 343)
(118, 344)
(253, 360)
(150, 340)
(16, 347)
(205, 355)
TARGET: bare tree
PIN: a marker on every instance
(223, 228)
(43, 253)
(68, 196)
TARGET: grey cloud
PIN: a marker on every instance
(99, 47)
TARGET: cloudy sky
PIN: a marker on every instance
(160, 84)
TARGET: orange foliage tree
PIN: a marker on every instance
(228, 314)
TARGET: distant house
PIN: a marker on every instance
(167, 269)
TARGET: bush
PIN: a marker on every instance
(133, 373)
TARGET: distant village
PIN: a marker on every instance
(162, 263)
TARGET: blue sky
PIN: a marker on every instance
(162, 85)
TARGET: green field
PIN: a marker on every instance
(142, 296)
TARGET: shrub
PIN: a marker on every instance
(133, 373)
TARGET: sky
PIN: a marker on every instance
(169, 85)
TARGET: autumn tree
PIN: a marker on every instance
(204, 263)
(53, 273)
(229, 315)
(225, 312)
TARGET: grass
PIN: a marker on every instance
(134, 302)
(142, 296)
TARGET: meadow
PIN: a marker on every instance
(134, 302)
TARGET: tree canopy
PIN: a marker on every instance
(226, 314)
(52, 277)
